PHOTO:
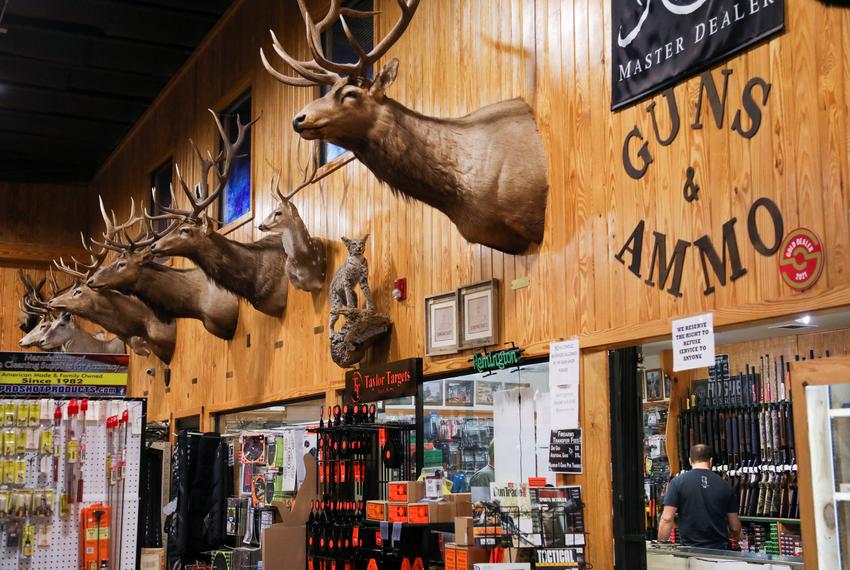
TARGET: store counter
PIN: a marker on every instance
(674, 557)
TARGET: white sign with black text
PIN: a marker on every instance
(564, 383)
(693, 342)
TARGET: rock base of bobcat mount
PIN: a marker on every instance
(362, 329)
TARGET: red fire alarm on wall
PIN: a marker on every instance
(400, 289)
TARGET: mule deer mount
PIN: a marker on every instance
(305, 256)
(253, 271)
(170, 292)
(363, 326)
(486, 171)
(44, 319)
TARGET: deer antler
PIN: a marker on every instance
(308, 173)
(33, 308)
(323, 70)
(220, 165)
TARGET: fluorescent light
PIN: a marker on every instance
(804, 320)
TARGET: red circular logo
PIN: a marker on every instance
(801, 259)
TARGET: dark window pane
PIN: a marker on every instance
(161, 182)
(339, 50)
(235, 199)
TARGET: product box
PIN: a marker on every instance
(284, 545)
(376, 510)
(463, 509)
(406, 491)
(397, 512)
(503, 566)
(424, 513)
(463, 531)
(152, 559)
(460, 497)
(464, 557)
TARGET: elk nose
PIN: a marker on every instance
(296, 122)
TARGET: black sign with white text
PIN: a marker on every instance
(565, 451)
(383, 381)
(656, 43)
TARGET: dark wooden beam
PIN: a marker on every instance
(67, 76)
(65, 128)
(69, 105)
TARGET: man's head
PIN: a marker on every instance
(702, 456)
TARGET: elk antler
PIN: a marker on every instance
(33, 308)
(220, 165)
(323, 70)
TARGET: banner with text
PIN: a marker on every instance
(693, 342)
(63, 374)
(655, 43)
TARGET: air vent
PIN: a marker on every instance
(792, 326)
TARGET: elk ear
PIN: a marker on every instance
(385, 77)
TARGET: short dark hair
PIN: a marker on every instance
(700, 453)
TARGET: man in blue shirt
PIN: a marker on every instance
(706, 504)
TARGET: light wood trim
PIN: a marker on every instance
(35, 254)
(245, 218)
(810, 373)
(297, 394)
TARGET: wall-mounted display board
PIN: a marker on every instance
(62, 374)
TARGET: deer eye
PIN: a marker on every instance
(352, 94)
(78, 292)
(277, 214)
(122, 265)
(185, 231)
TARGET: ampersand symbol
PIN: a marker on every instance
(691, 189)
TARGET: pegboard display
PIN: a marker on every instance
(51, 518)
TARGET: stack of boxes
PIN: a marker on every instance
(407, 504)
(790, 543)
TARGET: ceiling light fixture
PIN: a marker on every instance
(804, 320)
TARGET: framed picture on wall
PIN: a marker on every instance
(484, 392)
(441, 324)
(653, 388)
(460, 393)
(432, 393)
(479, 314)
(668, 386)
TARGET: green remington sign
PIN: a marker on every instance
(499, 360)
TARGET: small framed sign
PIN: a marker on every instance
(441, 324)
(479, 314)
(653, 385)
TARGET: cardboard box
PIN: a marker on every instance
(376, 510)
(406, 491)
(397, 512)
(460, 497)
(463, 509)
(465, 557)
(451, 558)
(152, 559)
(463, 531)
(285, 544)
(424, 513)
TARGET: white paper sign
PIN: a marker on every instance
(290, 466)
(564, 384)
(693, 342)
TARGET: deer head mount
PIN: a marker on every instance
(64, 334)
(305, 256)
(171, 293)
(44, 318)
(253, 271)
(486, 171)
(27, 320)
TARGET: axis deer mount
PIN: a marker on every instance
(486, 171)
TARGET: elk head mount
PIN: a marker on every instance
(253, 271)
(363, 326)
(44, 320)
(486, 171)
(305, 256)
(171, 293)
